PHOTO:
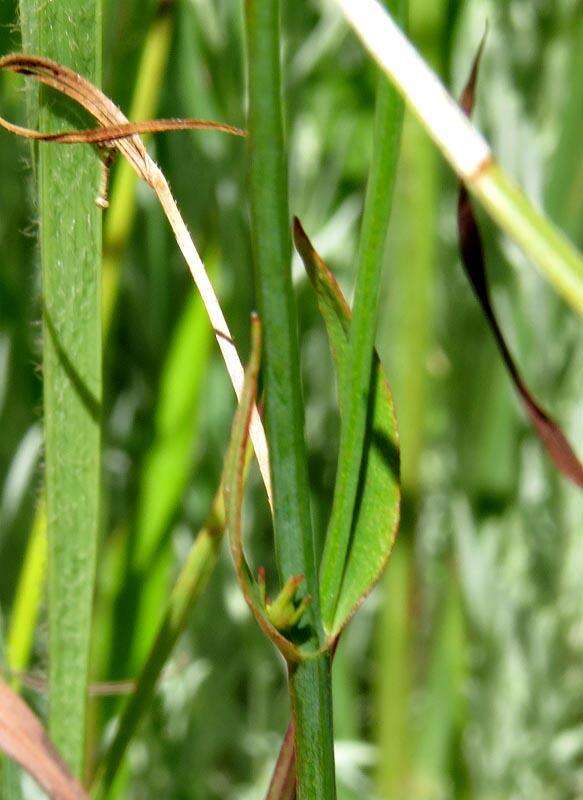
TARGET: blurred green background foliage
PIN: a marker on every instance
(462, 677)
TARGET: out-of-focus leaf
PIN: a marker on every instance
(191, 582)
(23, 738)
(472, 251)
(376, 515)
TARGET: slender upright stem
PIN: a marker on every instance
(69, 31)
(407, 336)
(310, 681)
(356, 377)
(272, 254)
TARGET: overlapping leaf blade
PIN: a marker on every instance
(376, 514)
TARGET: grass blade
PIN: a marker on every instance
(355, 382)
(166, 471)
(70, 242)
(118, 225)
(29, 593)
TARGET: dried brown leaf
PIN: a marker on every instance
(283, 781)
(473, 259)
(24, 740)
(107, 135)
(234, 483)
(125, 138)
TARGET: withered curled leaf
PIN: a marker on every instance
(473, 259)
(233, 483)
(117, 132)
(283, 781)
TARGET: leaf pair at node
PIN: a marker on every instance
(377, 509)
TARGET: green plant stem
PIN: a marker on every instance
(69, 31)
(272, 253)
(407, 336)
(355, 381)
(294, 542)
(311, 699)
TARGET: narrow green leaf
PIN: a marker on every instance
(377, 508)
(28, 595)
(117, 229)
(167, 466)
(70, 244)
(355, 388)
(122, 208)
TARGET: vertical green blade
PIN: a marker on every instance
(69, 31)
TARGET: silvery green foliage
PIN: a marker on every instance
(521, 559)
(523, 738)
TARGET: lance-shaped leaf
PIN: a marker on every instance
(472, 251)
(376, 515)
(233, 483)
(23, 738)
